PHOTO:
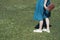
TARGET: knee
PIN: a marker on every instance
(46, 18)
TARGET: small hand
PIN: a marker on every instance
(46, 8)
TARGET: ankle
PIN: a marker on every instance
(40, 29)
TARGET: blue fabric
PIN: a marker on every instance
(40, 13)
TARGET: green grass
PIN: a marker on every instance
(16, 21)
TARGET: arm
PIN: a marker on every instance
(45, 4)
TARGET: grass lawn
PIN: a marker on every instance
(16, 21)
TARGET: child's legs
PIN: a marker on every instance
(47, 23)
(40, 24)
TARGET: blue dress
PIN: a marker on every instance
(40, 13)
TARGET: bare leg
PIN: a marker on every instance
(47, 23)
(40, 25)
